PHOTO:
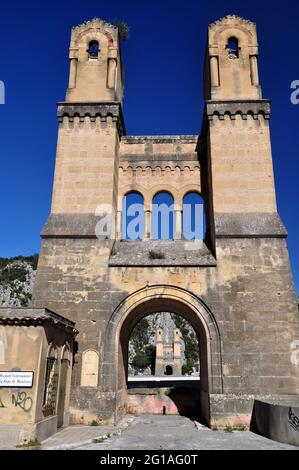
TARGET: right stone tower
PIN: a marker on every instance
(238, 127)
(259, 319)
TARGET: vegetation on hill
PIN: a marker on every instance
(17, 277)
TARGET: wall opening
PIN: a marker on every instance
(90, 368)
(141, 304)
(194, 220)
(233, 48)
(168, 370)
(133, 216)
(163, 357)
(163, 217)
(51, 382)
(93, 50)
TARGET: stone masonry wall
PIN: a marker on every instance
(250, 294)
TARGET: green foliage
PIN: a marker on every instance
(191, 343)
(228, 429)
(187, 369)
(123, 30)
(31, 443)
(14, 271)
(32, 260)
(96, 422)
(156, 255)
(231, 429)
(144, 352)
(143, 358)
(113, 251)
(140, 335)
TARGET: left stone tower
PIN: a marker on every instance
(73, 275)
(90, 122)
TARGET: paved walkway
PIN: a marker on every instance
(179, 433)
(76, 436)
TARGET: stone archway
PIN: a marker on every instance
(153, 299)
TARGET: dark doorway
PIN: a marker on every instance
(168, 370)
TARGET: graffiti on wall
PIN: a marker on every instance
(23, 401)
(293, 420)
(51, 393)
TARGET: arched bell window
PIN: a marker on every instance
(93, 50)
(233, 48)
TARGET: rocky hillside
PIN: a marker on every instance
(17, 277)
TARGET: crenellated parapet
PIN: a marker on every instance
(91, 112)
(245, 109)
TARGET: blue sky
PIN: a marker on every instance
(163, 68)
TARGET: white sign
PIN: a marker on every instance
(13, 379)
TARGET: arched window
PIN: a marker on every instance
(233, 48)
(194, 224)
(163, 219)
(133, 218)
(93, 50)
(51, 382)
(63, 383)
(66, 354)
(90, 368)
(168, 370)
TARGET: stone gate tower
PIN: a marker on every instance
(235, 288)
(168, 353)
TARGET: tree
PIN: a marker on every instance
(123, 29)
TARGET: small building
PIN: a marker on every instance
(36, 352)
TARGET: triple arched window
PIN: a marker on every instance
(165, 220)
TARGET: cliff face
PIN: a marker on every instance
(17, 276)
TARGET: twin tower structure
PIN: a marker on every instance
(235, 289)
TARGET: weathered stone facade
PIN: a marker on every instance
(236, 290)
